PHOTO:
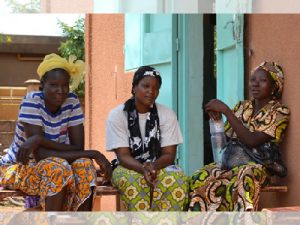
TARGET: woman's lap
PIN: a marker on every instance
(236, 189)
(49, 176)
(170, 192)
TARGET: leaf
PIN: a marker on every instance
(73, 45)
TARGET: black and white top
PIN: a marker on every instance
(118, 134)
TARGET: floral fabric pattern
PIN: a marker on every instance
(49, 176)
(170, 192)
(237, 189)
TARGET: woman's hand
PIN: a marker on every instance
(149, 173)
(215, 107)
(104, 164)
(29, 146)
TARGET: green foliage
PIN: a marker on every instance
(31, 6)
(73, 45)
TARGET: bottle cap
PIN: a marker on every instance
(216, 126)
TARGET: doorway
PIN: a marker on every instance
(209, 77)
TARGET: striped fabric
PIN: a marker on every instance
(55, 126)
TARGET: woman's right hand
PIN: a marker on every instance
(215, 108)
(29, 146)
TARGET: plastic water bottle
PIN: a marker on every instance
(218, 139)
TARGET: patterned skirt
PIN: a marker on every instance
(170, 192)
(49, 176)
(238, 189)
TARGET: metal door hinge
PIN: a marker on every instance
(177, 44)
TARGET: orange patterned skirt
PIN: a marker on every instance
(49, 176)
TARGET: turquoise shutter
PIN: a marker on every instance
(133, 41)
(149, 41)
(230, 53)
(157, 40)
(230, 58)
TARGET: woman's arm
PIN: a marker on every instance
(43, 148)
(167, 157)
(148, 169)
(75, 135)
(37, 142)
(251, 139)
(127, 161)
(71, 156)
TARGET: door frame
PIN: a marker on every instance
(190, 90)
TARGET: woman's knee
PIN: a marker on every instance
(84, 171)
(54, 166)
(82, 162)
(123, 178)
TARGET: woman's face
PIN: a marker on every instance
(261, 85)
(55, 89)
(146, 91)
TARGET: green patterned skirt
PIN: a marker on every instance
(170, 192)
(238, 189)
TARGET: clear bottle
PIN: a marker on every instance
(218, 139)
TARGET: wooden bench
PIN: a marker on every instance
(109, 190)
(275, 188)
(100, 191)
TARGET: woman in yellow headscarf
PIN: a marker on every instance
(47, 157)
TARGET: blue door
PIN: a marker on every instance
(173, 44)
(230, 58)
(149, 40)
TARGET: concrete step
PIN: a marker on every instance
(7, 125)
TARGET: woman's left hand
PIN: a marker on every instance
(214, 107)
(150, 173)
(105, 166)
(29, 146)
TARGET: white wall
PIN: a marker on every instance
(153, 6)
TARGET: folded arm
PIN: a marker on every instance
(148, 169)
(76, 136)
(167, 158)
(127, 161)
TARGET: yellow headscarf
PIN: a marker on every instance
(75, 68)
